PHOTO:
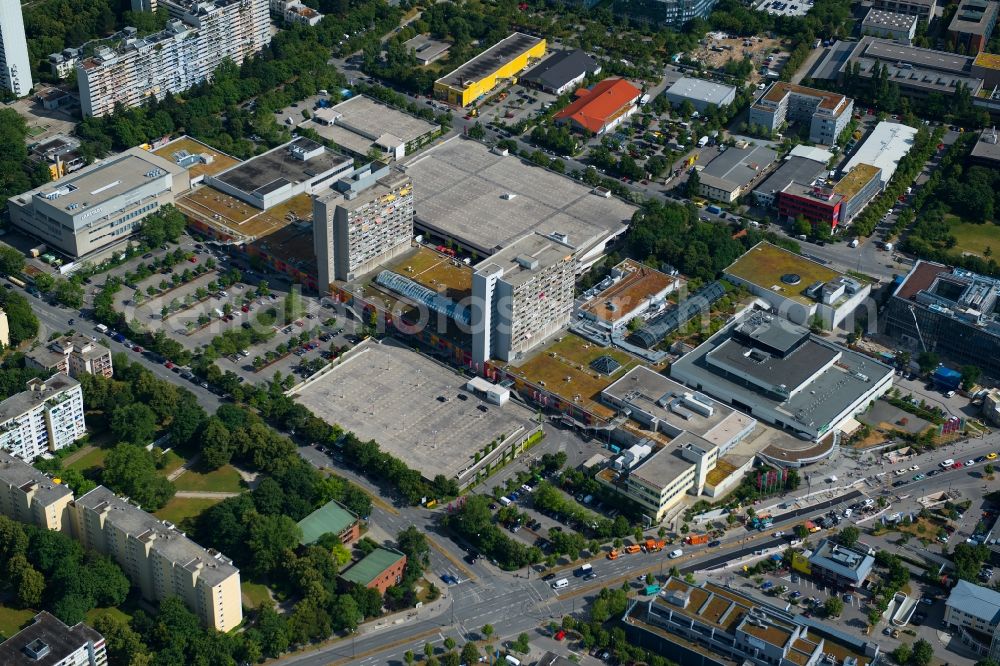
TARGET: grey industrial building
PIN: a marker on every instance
(893, 25)
(365, 219)
(780, 373)
(561, 72)
(792, 169)
(986, 152)
(301, 166)
(917, 71)
(100, 205)
(734, 172)
(700, 93)
(950, 311)
(922, 9)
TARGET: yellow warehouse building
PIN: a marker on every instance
(501, 62)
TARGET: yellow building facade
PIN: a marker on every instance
(482, 74)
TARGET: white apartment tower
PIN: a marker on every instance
(15, 65)
(199, 36)
(46, 417)
(365, 220)
(521, 295)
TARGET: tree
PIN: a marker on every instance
(927, 361)
(124, 645)
(923, 652)
(970, 375)
(69, 293)
(487, 631)
(11, 261)
(428, 650)
(449, 643)
(409, 657)
(522, 643)
(131, 470)
(801, 226)
(217, 445)
(134, 423)
(833, 607)
(270, 538)
(902, 654)
(470, 654)
(849, 536)
(28, 583)
(476, 131)
(693, 185)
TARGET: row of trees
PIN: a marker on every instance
(473, 521)
(49, 570)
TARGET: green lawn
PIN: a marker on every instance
(255, 593)
(975, 238)
(181, 509)
(95, 613)
(172, 463)
(12, 620)
(92, 459)
(223, 480)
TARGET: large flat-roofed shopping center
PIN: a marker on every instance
(780, 373)
(484, 200)
(420, 411)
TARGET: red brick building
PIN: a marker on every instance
(380, 569)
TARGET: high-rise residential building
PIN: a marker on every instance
(28, 496)
(74, 355)
(521, 295)
(365, 219)
(827, 113)
(47, 641)
(158, 558)
(199, 36)
(100, 205)
(15, 64)
(46, 417)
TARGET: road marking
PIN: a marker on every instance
(385, 646)
(448, 556)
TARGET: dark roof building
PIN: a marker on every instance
(49, 642)
(561, 72)
(841, 566)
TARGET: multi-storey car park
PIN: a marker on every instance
(951, 311)
(479, 76)
(99, 206)
(198, 38)
(420, 411)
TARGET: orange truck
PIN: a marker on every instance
(653, 546)
(695, 539)
(811, 527)
(613, 555)
(631, 550)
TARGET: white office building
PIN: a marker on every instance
(15, 64)
(100, 205)
(47, 416)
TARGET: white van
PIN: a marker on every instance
(674, 554)
(947, 463)
(512, 661)
(505, 501)
(560, 584)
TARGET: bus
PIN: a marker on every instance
(16, 281)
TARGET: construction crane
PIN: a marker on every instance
(916, 324)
